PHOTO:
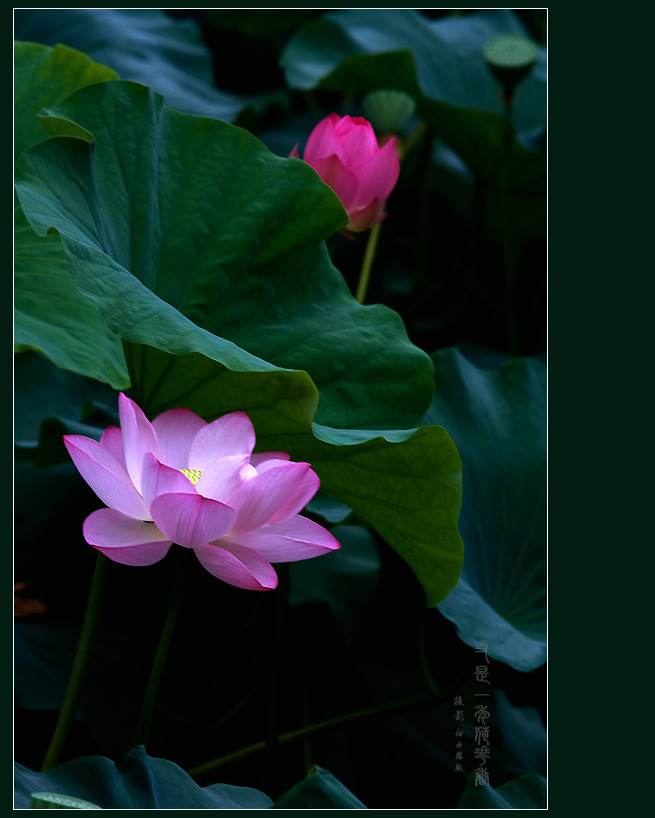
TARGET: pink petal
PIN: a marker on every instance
(358, 144)
(256, 459)
(105, 475)
(225, 436)
(352, 139)
(299, 495)
(294, 153)
(352, 123)
(342, 180)
(224, 477)
(265, 465)
(274, 496)
(112, 440)
(297, 539)
(138, 436)
(378, 177)
(175, 430)
(159, 479)
(123, 539)
(246, 570)
(323, 141)
(366, 217)
(191, 520)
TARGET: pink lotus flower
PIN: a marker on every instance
(182, 480)
(345, 154)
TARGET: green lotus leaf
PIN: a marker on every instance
(214, 225)
(524, 792)
(320, 790)
(139, 782)
(42, 77)
(142, 45)
(498, 421)
(50, 313)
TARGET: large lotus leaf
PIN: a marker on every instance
(328, 509)
(238, 255)
(42, 390)
(498, 422)
(216, 226)
(50, 313)
(439, 63)
(320, 790)
(42, 77)
(520, 736)
(143, 45)
(524, 792)
(49, 402)
(140, 782)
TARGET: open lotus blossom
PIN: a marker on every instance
(344, 152)
(182, 480)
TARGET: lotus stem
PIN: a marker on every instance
(80, 663)
(369, 255)
(509, 251)
(413, 138)
(150, 696)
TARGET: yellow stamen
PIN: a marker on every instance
(192, 474)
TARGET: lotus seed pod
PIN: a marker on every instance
(510, 58)
(388, 111)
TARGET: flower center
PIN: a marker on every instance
(192, 474)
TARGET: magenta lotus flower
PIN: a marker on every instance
(345, 154)
(182, 480)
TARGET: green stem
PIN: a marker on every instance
(509, 252)
(389, 709)
(78, 672)
(424, 220)
(231, 712)
(150, 696)
(413, 138)
(369, 255)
